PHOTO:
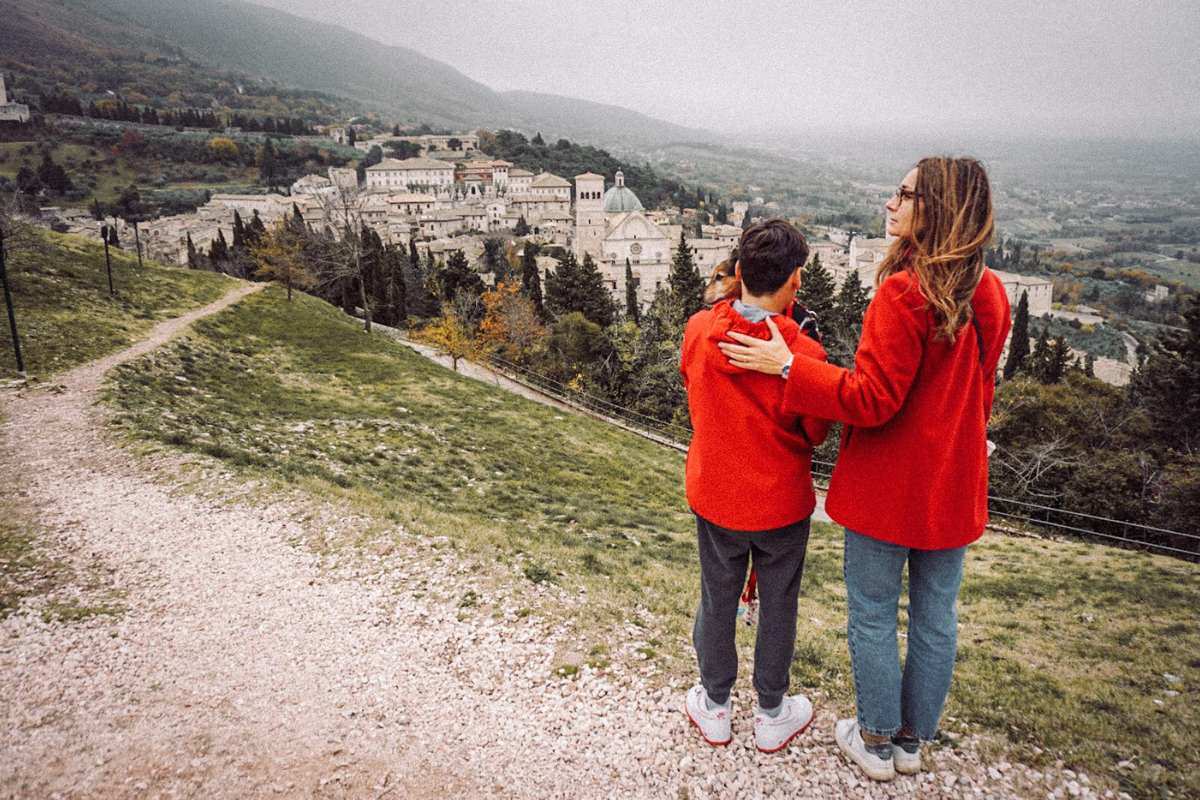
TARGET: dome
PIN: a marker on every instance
(620, 198)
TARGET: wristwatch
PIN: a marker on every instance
(783, 373)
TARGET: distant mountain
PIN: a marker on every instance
(582, 119)
(159, 41)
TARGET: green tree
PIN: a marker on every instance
(193, 258)
(531, 279)
(817, 291)
(562, 286)
(266, 163)
(578, 287)
(493, 261)
(632, 312)
(687, 287)
(1018, 350)
(52, 176)
(1060, 359)
(1167, 385)
(218, 252)
(578, 353)
(239, 233)
(596, 300)
(419, 301)
(457, 276)
(1038, 363)
(849, 308)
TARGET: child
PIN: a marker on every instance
(749, 482)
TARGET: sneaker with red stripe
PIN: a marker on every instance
(772, 734)
(716, 724)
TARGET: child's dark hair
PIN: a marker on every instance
(770, 252)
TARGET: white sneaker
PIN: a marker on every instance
(908, 762)
(772, 734)
(715, 726)
(873, 760)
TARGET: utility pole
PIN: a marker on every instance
(12, 317)
(107, 258)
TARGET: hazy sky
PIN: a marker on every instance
(1104, 67)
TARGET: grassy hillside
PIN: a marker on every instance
(64, 313)
(1067, 650)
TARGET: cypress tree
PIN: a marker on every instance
(239, 233)
(1060, 358)
(632, 312)
(218, 250)
(1039, 360)
(266, 164)
(531, 280)
(1018, 349)
(687, 287)
(193, 258)
(255, 230)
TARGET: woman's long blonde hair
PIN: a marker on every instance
(952, 224)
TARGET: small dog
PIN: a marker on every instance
(723, 284)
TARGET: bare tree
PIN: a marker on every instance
(340, 258)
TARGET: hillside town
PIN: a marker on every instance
(451, 196)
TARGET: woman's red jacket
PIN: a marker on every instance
(913, 467)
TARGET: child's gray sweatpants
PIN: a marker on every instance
(778, 557)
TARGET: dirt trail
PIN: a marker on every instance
(244, 665)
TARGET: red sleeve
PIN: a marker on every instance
(815, 429)
(996, 317)
(888, 357)
(689, 342)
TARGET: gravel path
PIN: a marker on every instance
(247, 665)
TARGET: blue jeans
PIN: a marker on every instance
(887, 699)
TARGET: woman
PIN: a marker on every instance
(910, 485)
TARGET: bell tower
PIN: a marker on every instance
(590, 222)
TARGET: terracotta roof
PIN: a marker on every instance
(549, 181)
(410, 164)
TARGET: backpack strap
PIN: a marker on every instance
(978, 337)
(807, 321)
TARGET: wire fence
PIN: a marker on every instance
(1018, 516)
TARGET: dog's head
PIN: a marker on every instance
(722, 282)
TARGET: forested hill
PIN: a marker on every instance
(181, 50)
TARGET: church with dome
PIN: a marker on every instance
(611, 226)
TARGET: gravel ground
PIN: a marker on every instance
(247, 665)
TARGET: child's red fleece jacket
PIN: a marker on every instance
(749, 467)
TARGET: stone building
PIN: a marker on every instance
(519, 180)
(611, 226)
(343, 177)
(1039, 290)
(11, 112)
(411, 174)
